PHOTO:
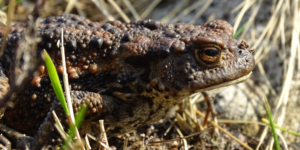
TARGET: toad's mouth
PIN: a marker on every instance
(236, 81)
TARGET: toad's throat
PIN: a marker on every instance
(232, 82)
(236, 81)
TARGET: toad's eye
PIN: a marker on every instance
(209, 54)
(208, 57)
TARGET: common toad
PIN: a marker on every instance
(129, 74)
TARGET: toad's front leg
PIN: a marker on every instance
(48, 135)
(119, 116)
(4, 88)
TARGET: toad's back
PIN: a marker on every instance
(129, 74)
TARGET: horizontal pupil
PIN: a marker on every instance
(211, 52)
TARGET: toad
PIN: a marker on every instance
(129, 74)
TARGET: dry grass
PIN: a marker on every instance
(277, 33)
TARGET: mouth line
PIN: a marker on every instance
(236, 81)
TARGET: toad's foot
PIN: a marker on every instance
(21, 140)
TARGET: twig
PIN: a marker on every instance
(10, 14)
(132, 10)
(291, 66)
(224, 131)
(183, 139)
(188, 10)
(105, 146)
(238, 7)
(201, 11)
(123, 15)
(125, 141)
(102, 130)
(103, 10)
(70, 6)
(6, 143)
(241, 121)
(174, 11)
(87, 143)
(179, 138)
(268, 26)
(57, 120)
(169, 128)
(149, 9)
(251, 19)
(67, 89)
(239, 17)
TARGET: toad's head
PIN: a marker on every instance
(203, 58)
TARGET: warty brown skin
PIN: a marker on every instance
(129, 74)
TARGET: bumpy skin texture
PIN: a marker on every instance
(129, 74)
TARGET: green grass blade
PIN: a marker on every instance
(5, 7)
(55, 82)
(78, 120)
(80, 115)
(272, 125)
(240, 30)
(281, 128)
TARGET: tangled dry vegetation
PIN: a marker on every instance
(272, 30)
